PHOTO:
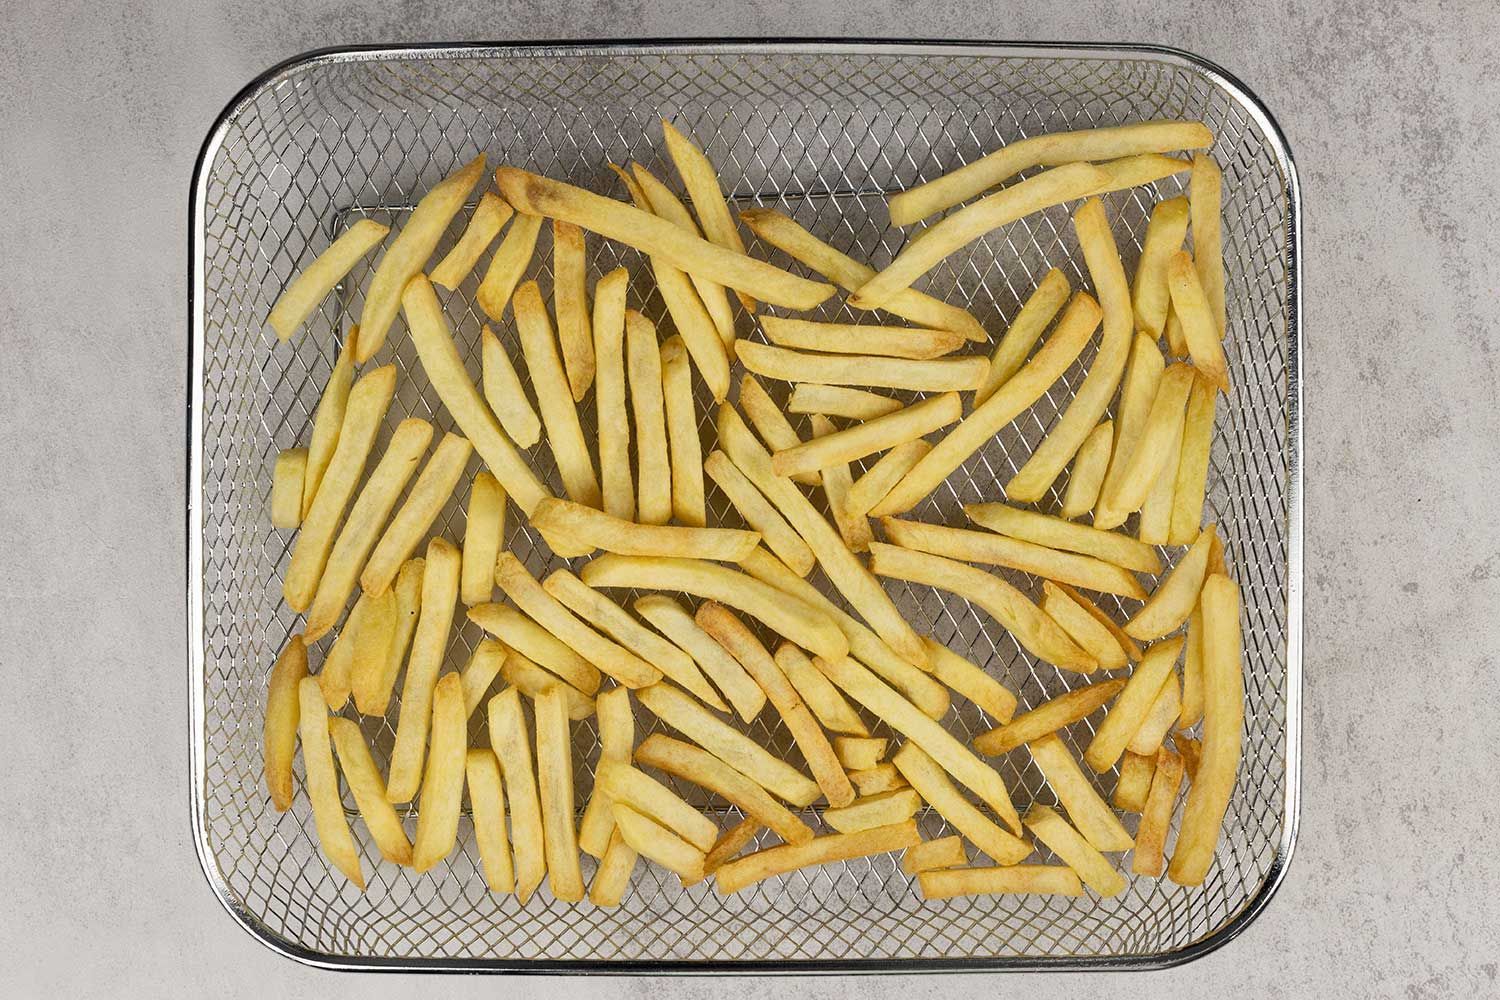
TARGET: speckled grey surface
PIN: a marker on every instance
(1393, 113)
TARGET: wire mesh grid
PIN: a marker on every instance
(823, 133)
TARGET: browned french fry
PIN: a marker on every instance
(728, 676)
(933, 784)
(864, 439)
(480, 672)
(1053, 880)
(997, 700)
(759, 513)
(938, 375)
(1177, 594)
(279, 732)
(917, 343)
(1164, 235)
(1089, 466)
(429, 644)
(570, 303)
(1083, 627)
(1130, 709)
(320, 277)
(872, 811)
(1134, 783)
(643, 371)
(612, 877)
(707, 771)
(1048, 717)
(1088, 811)
(856, 753)
(536, 643)
(934, 855)
(663, 202)
(1160, 718)
(554, 773)
(1191, 306)
(1192, 754)
(368, 787)
(616, 738)
(839, 401)
(286, 487)
(443, 783)
(819, 694)
(487, 802)
(512, 747)
(1027, 328)
(434, 485)
(1192, 465)
(616, 482)
(771, 424)
(682, 435)
(752, 868)
(554, 395)
(322, 782)
(508, 265)
(503, 392)
(1156, 815)
(877, 779)
(484, 530)
(490, 215)
(1068, 844)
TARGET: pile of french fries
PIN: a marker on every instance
(726, 618)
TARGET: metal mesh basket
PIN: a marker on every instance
(821, 131)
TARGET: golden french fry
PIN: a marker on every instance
(771, 424)
(487, 808)
(677, 624)
(1082, 627)
(934, 855)
(753, 868)
(877, 779)
(856, 753)
(554, 771)
(759, 513)
(1177, 594)
(279, 731)
(729, 844)
(504, 394)
(652, 840)
(480, 672)
(609, 395)
(709, 772)
(876, 810)
(368, 400)
(1052, 880)
(997, 700)
(286, 487)
(1089, 466)
(372, 642)
(1048, 717)
(643, 370)
(371, 687)
(612, 877)
(1191, 305)
(490, 216)
(336, 678)
(532, 680)
(434, 485)
(872, 487)
(322, 782)
(484, 532)
(918, 343)
(1057, 533)
(554, 396)
(696, 326)
(1205, 191)
(1134, 783)
(864, 439)
(570, 304)
(616, 737)
(408, 254)
(1159, 436)
(328, 422)
(445, 370)
(1143, 374)
(839, 401)
(1130, 709)
(1144, 168)
(1176, 339)
(368, 787)
(938, 375)
(429, 644)
(1192, 466)
(682, 435)
(1076, 852)
(1191, 710)
(591, 529)
(1089, 812)
(320, 277)
(1156, 815)
(512, 747)
(626, 785)
(1164, 235)
(1155, 524)
(854, 527)
(933, 784)
(1027, 328)
(663, 202)
(1052, 359)
(1160, 718)
(1131, 647)
(703, 188)
(508, 265)
(819, 694)
(536, 643)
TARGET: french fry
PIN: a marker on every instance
(938, 375)
(484, 531)
(771, 424)
(934, 855)
(368, 400)
(372, 642)
(321, 779)
(434, 485)
(548, 612)
(626, 785)
(730, 843)
(1176, 339)
(1090, 814)
(368, 787)
(819, 694)
(643, 371)
(918, 343)
(839, 401)
(1156, 815)
(933, 784)
(445, 370)
(682, 435)
(554, 395)
(759, 513)
(1159, 434)
(876, 810)
(328, 422)
(854, 528)
(1205, 192)
(487, 809)
(508, 265)
(1056, 533)
(1082, 627)
(1174, 598)
(1192, 466)
(490, 216)
(928, 248)
(1191, 305)
(690, 316)
(1076, 852)
(856, 753)
(653, 841)
(663, 202)
(504, 394)
(429, 644)
(1192, 754)
(279, 730)
(591, 529)
(1164, 235)
(1089, 466)
(1039, 634)
(616, 739)
(1052, 359)
(1142, 381)
(1216, 563)
(372, 688)
(1191, 711)
(1048, 717)
(480, 672)
(512, 746)
(806, 626)
(703, 188)
(728, 676)
(1223, 718)
(535, 642)
(997, 700)
(408, 254)
(1051, 880)
(1155, 524)
(877, 779)
(531, 680)
(1159, 719)
(849, 274)
(554, 771)
(336, 678)
(1135, 782)
(709, 772)
(872, 487)
(1131, 647)
(1130, 709)
(1144, 168)
(864, 439)
(316, 280)
(1065, 437)
(637, 228)
(757, 867)
(286, 487)
(612, 877)
(570, 304)
(609, 396)
(1024, 331)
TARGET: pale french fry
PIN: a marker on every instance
(1191, 305)
(876, 810)
(445, 370)
(368, 400)
(934, 855)
(659, 237)
(1027, 328)
(626, 785)
(279, 731)
(512, 745)
(612, 877)
(1191, 710)
(1192, 754)
(1192, 466)
(1160, 718)
(372, 688)
(1130, 709)
(753, 868)
(1134, 783)
(1205, 192)
(1048, 717)
(504, 394)
(643, 371)
(693, 322)
(570, 304)
(316, 280)
(854, 527)
(1131, 647)
(653, 841)
(1159, 436)
(286, 487)
(1164, 235)
(1052, 359)
(928, 248)
(1089, 812)
(709, 772)
(1089, 466)
(759, 513)
(933, 784)
(702, 185)
(1223, 719)
(1082, 627)
(554, 773)
(918, 343)
(372, 642)
(336, 678)
(531, 680)
(533, 641)
(328, 422)
(872, 487)
(508, 265)
(1039, 634)
(1056, 533)
(429, 643)
(321, 779)
(364, 780)
(728, 676)
(819, 694)
(615, 478)
(1050, 880)
(434, 485)
(1076, 852)
(408, 254)
(487, 808)
(490, 216)
(1177, 594)
(480, 672)
(839, 401)
(997, 700)
(1034, 478)
(663, 202)
(592, 529)
(682, 435)
(554, 396)
(771, 424)
(856, 753)
(484, 531)
(1142, 381)
(545, 609)
(938, 375)
(616, 738)
(877, 779)
(1143, 168)
(1156, 815)
(1176, 339)
(864, 439)
(1155, 524)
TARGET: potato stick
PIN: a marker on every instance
(934, 855)
(819, 694)
(934, 786)
(806, 626)
(839, 401)
(286, 487)
(445, 369)
(849, 274)
(637, 228)
(512, 745)
(729, 844)
(548, 612)
(1134, 783)
(653, 841)
(785, 858)
(1084, 628)
(877, 779)
(609, 394)
(429, 644)
(703, 188)
(682, 435)
(328, 422)
(489, 217)
(856, 753)
(1025, 330)
(1049, 150)
(695, 325)
(1156, 815)
(1159, 437)
(872, 487)
(865, 439)
(336, 678)
(508, 265)
(616, 739)
(1164, 235)
(663, 202)
(1191, 751)
(1143, 374)
(643, 371)
(707, 771)
(612, 877)
(1190, 303)
(320, 277)
(1039, 634)
(955, 758)
(532, 640)
(1205, 191)
(681, 712)
(423, 504)
(480, 672)
(1052, 880)
(771, 424)
(1052, 359)
(1089, 813)
(1131, 647)
(876, 810)
(1131, 708)
(918, 343)
(372, 643)
(676, 624)
(1160, 719)
(484, 532)
(1056, 533)
(1048, 717)
(570, 304)
(1076, 852)
(368, 787)
(554, 769)
(504, 394)
(1192, 467)
(371, 683)
(531, 680)
(559, 412)
(1133, 171)
(487, 809)
(321, 779)
(629, 786)
(940, 375)
(857, 584)
(997, 700)
(279, 731)
(1155, 524)
(1089, 465)
(368, 400)
(593, 529)
(854, 527)
(1176, 595)
(760, 514)
(1191, 710)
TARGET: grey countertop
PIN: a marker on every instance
(1393, 112)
